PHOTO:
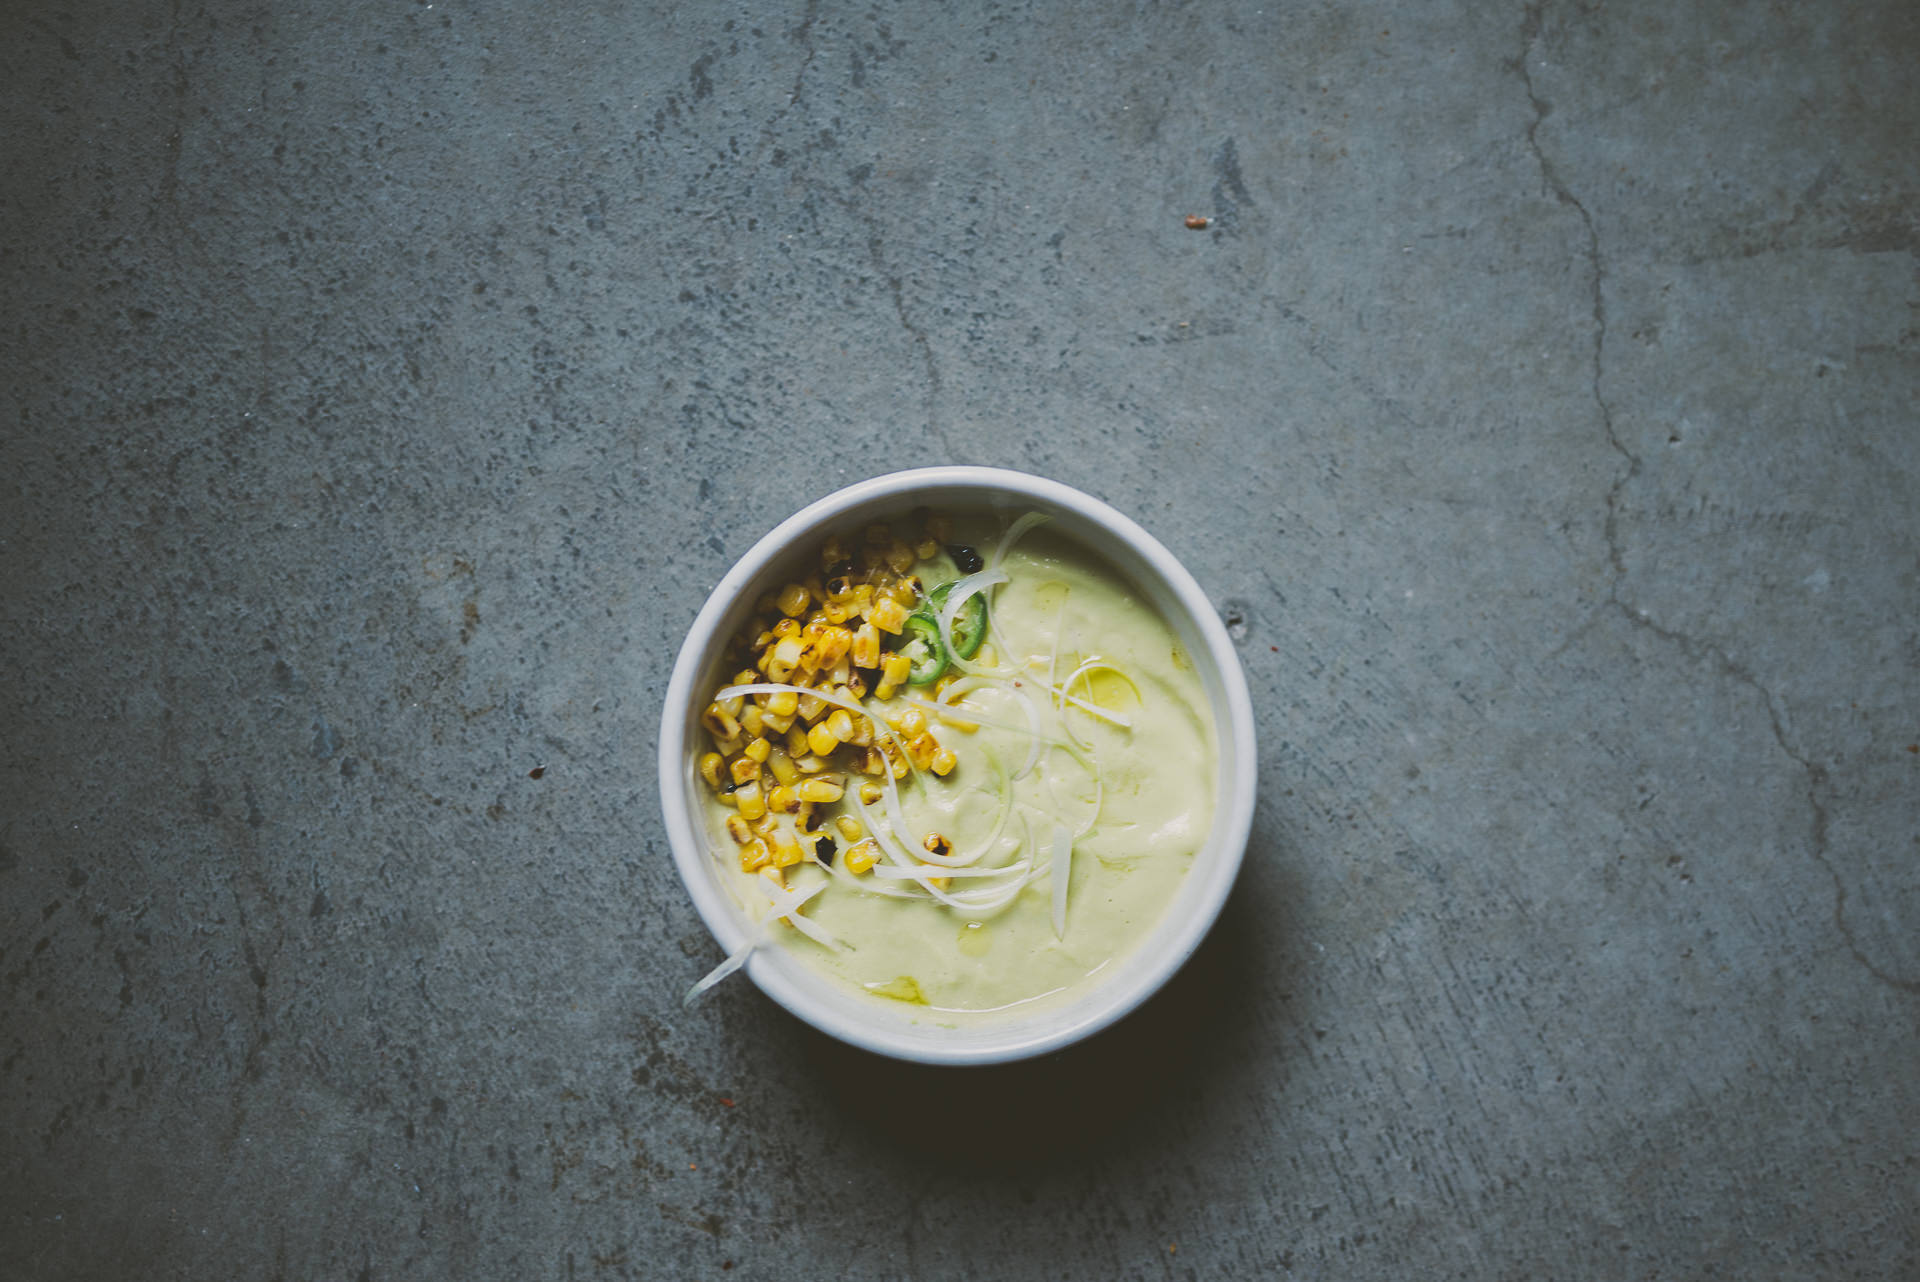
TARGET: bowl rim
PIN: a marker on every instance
(1233, 819)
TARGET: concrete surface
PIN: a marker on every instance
(387, 383)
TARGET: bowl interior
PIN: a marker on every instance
(911, 1032)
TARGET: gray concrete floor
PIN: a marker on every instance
(386, 384)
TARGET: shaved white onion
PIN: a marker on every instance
(1062, 873)
(786, 904)
(972, 585)
(1015, 533)
(735, 960)
(894, 873)
(1065, 691)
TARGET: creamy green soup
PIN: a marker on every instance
(1083, 731)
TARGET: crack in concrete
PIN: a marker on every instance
(913, 330)
(804, 36)
(1816, 774)
(1817, 783)
(1530, 27)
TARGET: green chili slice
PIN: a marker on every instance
(969, 621)
(921, 644)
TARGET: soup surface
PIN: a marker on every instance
(1058, 730)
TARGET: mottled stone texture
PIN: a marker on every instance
(386, 384)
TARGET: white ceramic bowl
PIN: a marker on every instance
(891, 1028)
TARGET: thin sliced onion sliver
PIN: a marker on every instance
(1033, 728)
(788, 904)
(974, 584)
(1065, 691)
(1062, 874)
(1016, 532)
(893, 872)
(735, 960)
(917, 870)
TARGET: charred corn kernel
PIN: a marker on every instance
(839, 589)
(927, 548)
(936, 844)
(764, 826)
(906, 591)
(784, 771)
(750, 800)
(862, 598)
(911, 723)
(866, 646)
(745, 677)
(753, 855)
(738, 830)
(900, 556)
(840, 722)
(834, 644)
(822, 739)
(856, 684)
(870, 793)
(784, 628)
(807, 818)
(786, 850)
(861, 735)
(728, 746)
(792, 600)
(781, 658)
(839, 675)
(710, 767)
(839, 612)
(775, 726)
(888, 615)
(719, 722)
(774, 875)
(944, 761)
(849, 827)
(820, 790)
(783, 799)
(921, 749)
(873, 763)
(940, 529)
(797, 742)
(753, 721)
(726, 795)
(811, 706)
(893, 674)
(810, 764)
(744, 769)
(861, 856)
(899, 767)
(757, 749)
(782, 703)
